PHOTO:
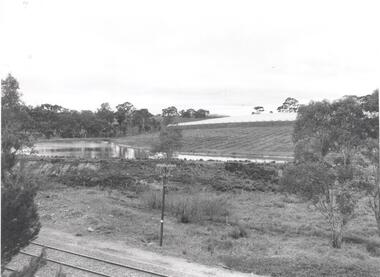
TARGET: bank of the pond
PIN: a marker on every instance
(121, 173)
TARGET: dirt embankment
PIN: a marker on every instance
(116, 173)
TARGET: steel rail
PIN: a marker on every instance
(100, 260)
(67, 265)
(13, 270)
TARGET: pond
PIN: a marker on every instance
(105, 150)
(89, 149)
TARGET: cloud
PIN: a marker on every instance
(81, 53)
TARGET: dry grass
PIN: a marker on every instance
(189, 208)
(279, 235)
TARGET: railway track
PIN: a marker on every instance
(77, 264)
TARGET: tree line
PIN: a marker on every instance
(290, 105)
(56, 121)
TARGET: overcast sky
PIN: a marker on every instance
(225, 56)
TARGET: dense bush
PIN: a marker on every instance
(128, 174)
(301, 179)
(91, 178)
(104, 178)
(253, 170)
(19, 217)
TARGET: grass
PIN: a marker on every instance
(261, 232)
(189, 208)
(301, 266)
(240, 141)
(258, 235)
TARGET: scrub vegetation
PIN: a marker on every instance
(247, 228)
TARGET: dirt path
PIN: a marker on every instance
(118, 251)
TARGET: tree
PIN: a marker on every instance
(141, 119)
(290, 105)
(327, 136)
(90, 124)
(169, 114)
(46, 119)
(124, 115)
(370, 105)
(332, 191)
(19, 217)
(105, 113)
(170, 141)
(201, 113)
(258, 110)
(69, 124)
(15, 122)
(372, 178)
(189, 113)
(370, 150)
(105, 118)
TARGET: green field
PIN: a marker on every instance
(241, 141)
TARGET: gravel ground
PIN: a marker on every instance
(51, 268)
(115, 251)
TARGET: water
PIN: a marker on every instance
(89, 149)
(197, 157)
(105, 150)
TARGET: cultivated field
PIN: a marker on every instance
(264, 118)
(237, 140)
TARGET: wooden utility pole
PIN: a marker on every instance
(165, 171)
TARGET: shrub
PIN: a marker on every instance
(373, 249)
(19, 216)
(106, 179)
(152, 199)
(238, 232)
(189, 208)
(212, 244)
(199, 207)
(252, 171)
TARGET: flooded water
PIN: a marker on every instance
(89, 149)
(105, 150)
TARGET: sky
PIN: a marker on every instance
(224, 56)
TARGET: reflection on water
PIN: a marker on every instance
(89, 149)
